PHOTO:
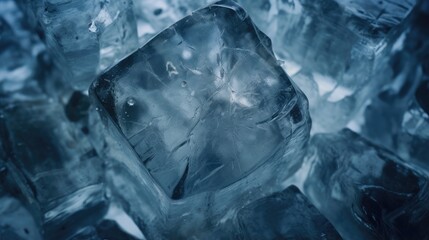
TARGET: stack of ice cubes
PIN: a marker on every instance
(178, 119)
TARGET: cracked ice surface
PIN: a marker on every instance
(208, 110)
(205, 130)
(205, 102)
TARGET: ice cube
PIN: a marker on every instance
(281, 215)
(57, 169)
(398, 117)
(206, 115)
(284, 215)
(336, 44)
(85, 37)
(366, 191)
(207, 109)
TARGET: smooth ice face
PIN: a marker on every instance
(85, 37)
(284, 215)
(205, 102)
(56, 168)
(366, 191)
(330, 48)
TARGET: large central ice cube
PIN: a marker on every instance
(205, 102)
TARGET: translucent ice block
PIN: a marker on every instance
(85, 37)
(366, 191)
(207, 112)
(398, 117)
(56, 168)
(284, 215)
(330, 48)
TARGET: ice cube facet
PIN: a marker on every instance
(57, 170)
(330, 48)
(284, 215)
(398, 117)
(85, 37)
(366, 191)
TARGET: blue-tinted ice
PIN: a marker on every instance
(84, 37)
(16, 222)
(105, 229)
(154, 16)
(18, 51)
(207, 109)
(284, 215)
(194, 108)
(398, 118)
(331, 48)
(203, 130)
(57, 170)
(366, 191)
